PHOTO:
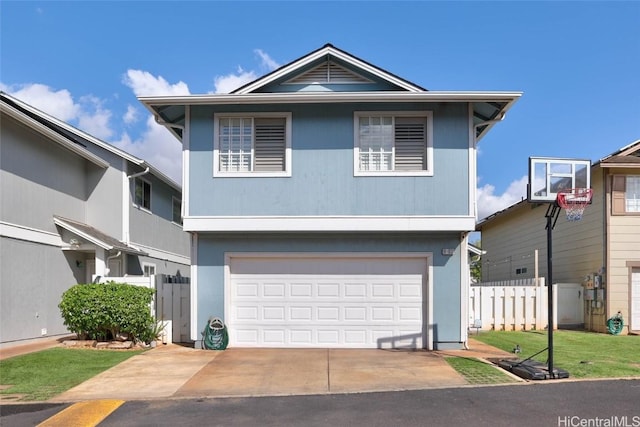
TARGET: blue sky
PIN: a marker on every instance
(577, 63)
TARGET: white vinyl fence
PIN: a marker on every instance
(171, 305)
(511, 305)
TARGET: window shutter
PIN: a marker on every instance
(410, 144)
(270, 145)
(617, 194)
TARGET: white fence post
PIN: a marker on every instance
(510, 305)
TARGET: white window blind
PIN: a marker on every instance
(248, 144)
(270, 145)
(410, 144)
(388, 143)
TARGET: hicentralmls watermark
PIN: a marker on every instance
(612, 421)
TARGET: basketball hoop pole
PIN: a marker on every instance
(552, 217)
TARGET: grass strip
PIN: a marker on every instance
(478, 372)
(40, 376)
(582, 354)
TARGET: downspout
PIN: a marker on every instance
(475, 202)
(126, 220)
(108, 270)
(135, 175)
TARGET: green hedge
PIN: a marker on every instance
(103, 311)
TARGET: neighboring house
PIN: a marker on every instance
(329, 204)
(601, 251)
(73, 207)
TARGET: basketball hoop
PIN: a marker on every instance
(574, 201)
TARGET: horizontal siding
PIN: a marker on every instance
(511, 239)
(39, 179)
(624, 248)
(322, 181)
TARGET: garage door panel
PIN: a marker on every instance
(381, 306)
(301, 290)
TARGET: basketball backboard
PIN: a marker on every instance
(548, 175)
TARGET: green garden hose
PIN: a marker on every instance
(216, 336)
(615, 324)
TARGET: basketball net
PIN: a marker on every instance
(574, 201)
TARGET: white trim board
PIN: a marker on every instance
(30, 234)
(330, 223)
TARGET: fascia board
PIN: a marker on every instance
(54, 136)
(330, 97)
(319, 54)
(620, 165)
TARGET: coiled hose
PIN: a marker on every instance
(216, 336)
(615, 324)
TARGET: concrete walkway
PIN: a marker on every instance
(175, 371)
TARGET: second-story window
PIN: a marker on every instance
(142, 197)
(253, 145)
(393, 143)
(625, 195)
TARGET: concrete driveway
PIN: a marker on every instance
(176, 371)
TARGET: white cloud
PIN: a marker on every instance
(93, 118)
(144, 83)
(58, 104)
(490, 203)
(131, 116)
(266, 61)
(156, 146)
(87, 114)
(230, 82)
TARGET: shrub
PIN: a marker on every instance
(104, 311)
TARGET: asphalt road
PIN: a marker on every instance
(562, 404)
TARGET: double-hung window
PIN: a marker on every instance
(625, 194)
(252, 145)
(388, 143)
(142, 197)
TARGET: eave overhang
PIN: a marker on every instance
(497, 103)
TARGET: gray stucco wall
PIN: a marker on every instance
(33, 277)
(446, 269)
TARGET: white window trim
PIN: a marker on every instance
(356, 146)
(142, 208)
(216, 146)
(148, 264)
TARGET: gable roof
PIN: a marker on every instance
(627, 156)
(328, 51)
(71, 137)
(488, 107)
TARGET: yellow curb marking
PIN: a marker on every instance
(83, 414)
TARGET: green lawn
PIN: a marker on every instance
(478, 372)
(582, 354)
(42, 375)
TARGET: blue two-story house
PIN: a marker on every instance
(329, 204)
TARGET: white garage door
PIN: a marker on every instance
(344, 302)
(635, 299)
